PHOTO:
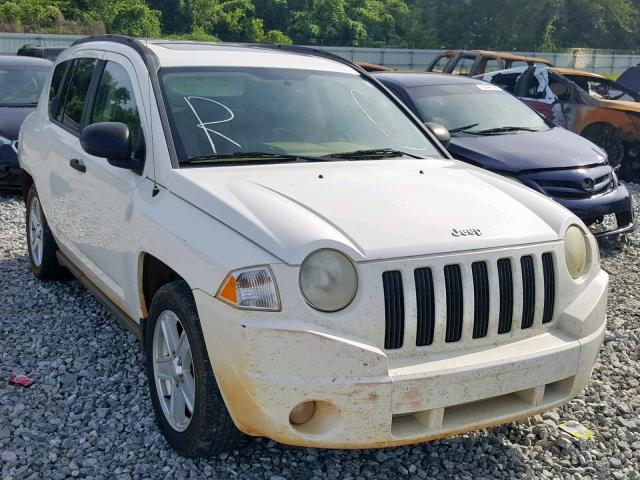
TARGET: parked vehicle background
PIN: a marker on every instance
(21, 81)
(475, 62)
(630, 78)
(40, 51)
(614, 125)
(493, 130)
(599, 86)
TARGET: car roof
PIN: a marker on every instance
(17, 60)
(409, 80)
(179, 53)
(578, 73)
(503, 55)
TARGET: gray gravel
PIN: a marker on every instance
(88, 415)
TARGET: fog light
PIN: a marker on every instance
(302, 413)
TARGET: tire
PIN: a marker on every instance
(207, 428)
(604, 135)
(41, 245)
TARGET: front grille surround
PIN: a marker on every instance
(430, 326)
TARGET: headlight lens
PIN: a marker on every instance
(251, 289)
(4, 141)
(328, 280)
(576, 251)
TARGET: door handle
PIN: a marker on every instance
(78, 165)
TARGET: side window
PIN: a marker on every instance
(115, 102)
(492, 65)
(440, 64)
(463, 67)
(57, 89)
(506, 81)
(77, 94)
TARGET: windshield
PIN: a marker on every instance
(21, 86)
(222, 112)
(474, 108)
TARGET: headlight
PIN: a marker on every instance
(250, 289)
(4, 141)
(576, 251)
(328, 280)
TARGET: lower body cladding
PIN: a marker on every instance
(307, 386)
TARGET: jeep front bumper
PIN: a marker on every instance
(364, 399)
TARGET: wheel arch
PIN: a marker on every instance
(153, 273)
(27, 181)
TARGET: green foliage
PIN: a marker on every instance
(492, 24)
(135, 19)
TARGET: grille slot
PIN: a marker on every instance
(528, 291)
(548, 274)
(393, 309)
(426, 306)
(505, 282)
(453, 287)
(480, 299)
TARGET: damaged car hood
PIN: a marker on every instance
(370, 210)
(553, 148)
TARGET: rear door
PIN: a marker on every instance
(62, 134)
(106, 241)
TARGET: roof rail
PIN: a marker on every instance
(305, 50)
(134, 43)
(139, 47)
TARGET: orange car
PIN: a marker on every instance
(476, 62)
(610, 119)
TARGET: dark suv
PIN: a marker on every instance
(40, 51)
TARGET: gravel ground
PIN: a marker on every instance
(88, 415)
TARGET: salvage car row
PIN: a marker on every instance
(299, 254)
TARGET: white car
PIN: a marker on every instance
(300, 257)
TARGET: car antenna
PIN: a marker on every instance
(155, 190)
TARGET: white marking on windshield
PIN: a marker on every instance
(204, 125)
(353, 91)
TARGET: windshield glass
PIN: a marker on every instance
(479, 107)
(20, 85)
(224, 111)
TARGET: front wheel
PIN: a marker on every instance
(189, 408)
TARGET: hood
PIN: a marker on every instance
(10, 120)
(619, 105)
(370, 210)
(554, 148)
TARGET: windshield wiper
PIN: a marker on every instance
(505, 129)
(373, 153)
(462, 129)
(240, 157)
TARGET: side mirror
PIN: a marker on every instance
(441, 132)
(110, 140)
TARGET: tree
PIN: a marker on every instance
(135, 19)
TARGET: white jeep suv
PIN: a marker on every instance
(300, 257)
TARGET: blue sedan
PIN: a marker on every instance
(21, 82)
(490, 128)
